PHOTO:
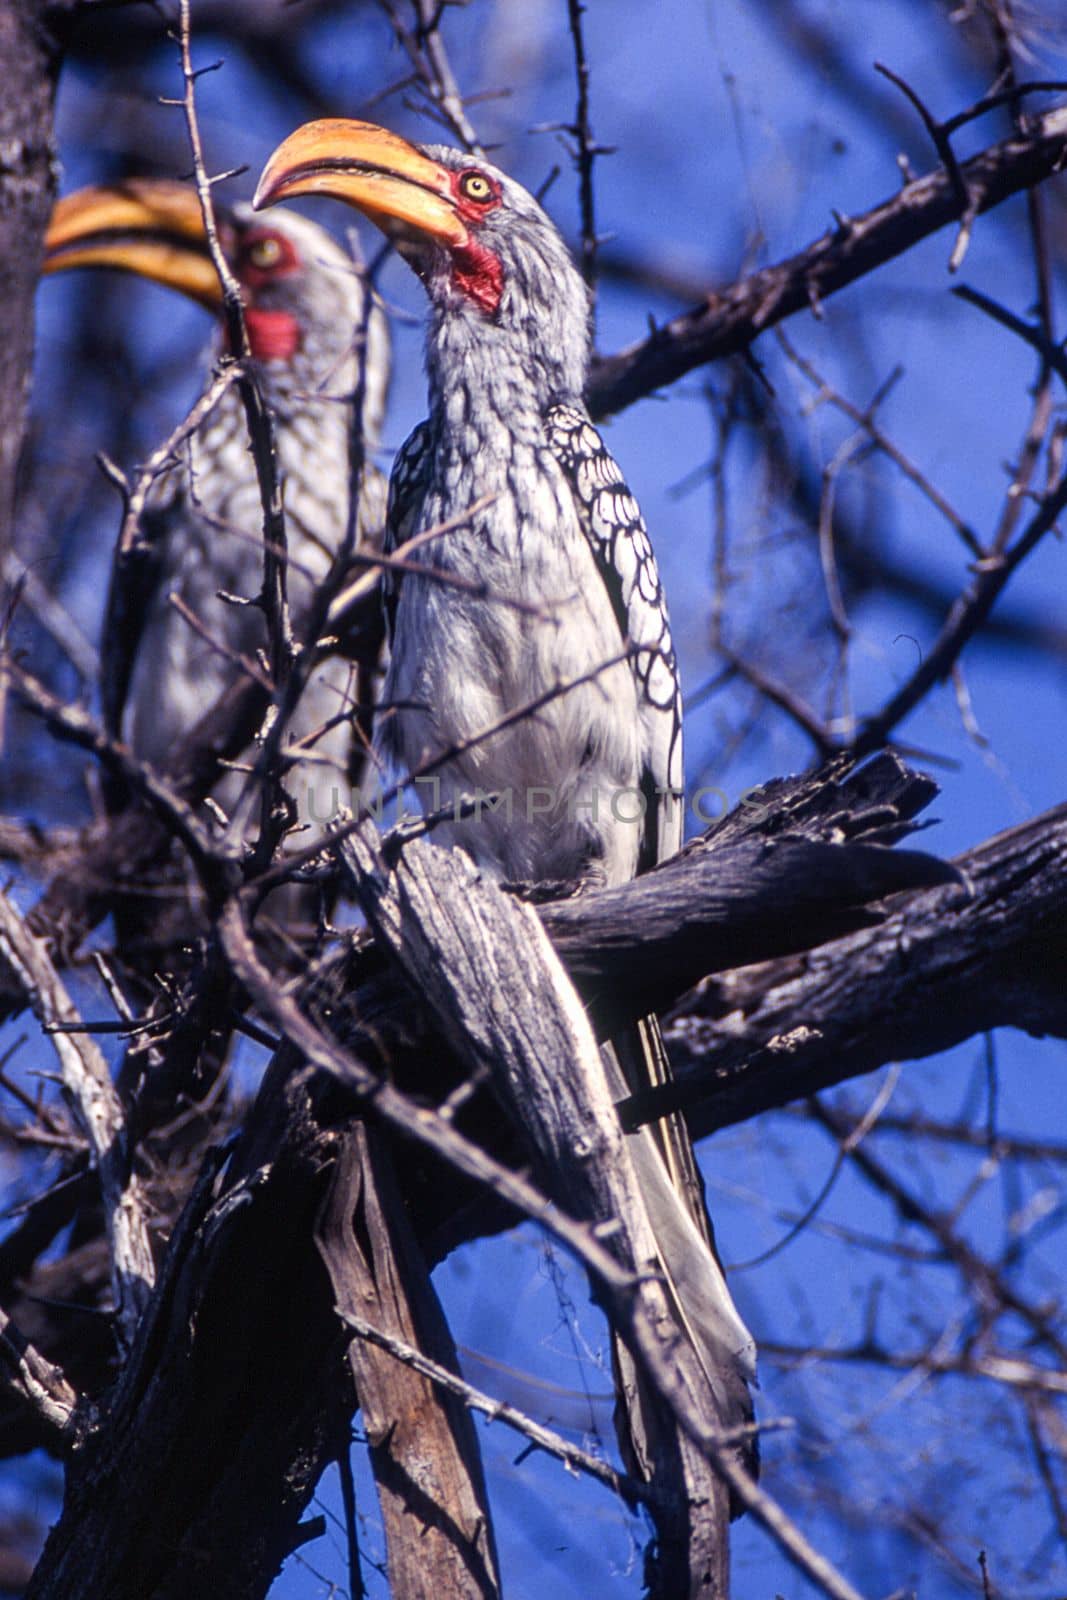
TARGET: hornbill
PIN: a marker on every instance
(319, 347)
(562, 612)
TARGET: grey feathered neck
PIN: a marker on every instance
(536, 344)
(331, 303)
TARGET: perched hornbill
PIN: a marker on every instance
(566, 598)
(318, 343)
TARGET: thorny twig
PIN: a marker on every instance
(1003, 25)
(586, 147)
(237, 658)
(274, 598)
(943, 144)
(73, 724)
(131, 545)
(913, 1126)
(784, 698)
(1052, 355)
(1011, 1371)
(1003, 97)
(730, 320)
(543, 1438)
(963, 621)
(866, 418)
(994, 1294)
(426, 51)
(316, 625)
(164, 456)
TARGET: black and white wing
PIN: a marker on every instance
(136, 573)
(662, 1155)
(408, 482)
(616, 531)
(407, 487)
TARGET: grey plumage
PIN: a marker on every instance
(536, 513)
(531, 655)
(203, 524)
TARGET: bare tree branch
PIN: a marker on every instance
(542, 1438)
(733, 319)
(423, 1446)
(992, 954)
(452, 932)
(53, 617)
(426, 51)
(990, 1365)
(36, 1382)
(586, 147)
(87, 1081)
(964, 620)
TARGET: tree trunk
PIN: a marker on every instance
(27, 189)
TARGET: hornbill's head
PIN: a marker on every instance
(493, 264)
(303, 295)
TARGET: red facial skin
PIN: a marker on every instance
(477, 272)
(273, 334)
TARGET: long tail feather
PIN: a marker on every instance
(688, 1261)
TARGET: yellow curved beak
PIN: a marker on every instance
(149, 226)
(406, 193)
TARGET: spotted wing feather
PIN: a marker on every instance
(616, 531)
(135, 577)
(407, 486)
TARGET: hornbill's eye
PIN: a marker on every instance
(475, 186)
(264, 253)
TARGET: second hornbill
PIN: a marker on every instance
(319, 344)
(562, 612)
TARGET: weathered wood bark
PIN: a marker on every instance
(488, 974)
(767, 880)
(237, 1393)
(228, 1318)
(944, 965)
(423, 1445)
(27, 187)
(773, 877)
(798, 861)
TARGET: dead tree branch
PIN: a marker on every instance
(586, 148)
(944, 965)
(482, 965)
(425, 50)
(535, 1433)
(87, 1081)
(964, 620)
(506, 1008)
(731, 320)
(817, 810)
(423, 1446)
(241, 1330)
(36, 1383)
